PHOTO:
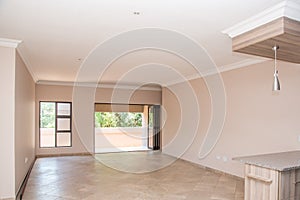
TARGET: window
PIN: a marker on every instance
(55, 124)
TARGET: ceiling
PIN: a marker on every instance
(58, 35)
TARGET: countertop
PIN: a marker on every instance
(278, 161)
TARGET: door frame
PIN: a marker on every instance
(155, 138)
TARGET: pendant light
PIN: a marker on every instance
(276, 84)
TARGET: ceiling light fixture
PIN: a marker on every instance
(276, 84)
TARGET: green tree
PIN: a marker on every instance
(118, 119)
(47, 115)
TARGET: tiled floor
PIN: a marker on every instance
(83, 177)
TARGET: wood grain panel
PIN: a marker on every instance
(283, 32)
(261, 183)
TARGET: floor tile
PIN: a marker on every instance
(133, 175)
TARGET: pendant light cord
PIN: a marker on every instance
(275, 58)
(275, 49)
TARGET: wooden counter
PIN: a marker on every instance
(272, 176)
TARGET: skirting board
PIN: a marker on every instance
(64, 154)
(23, 185)
(213, 170)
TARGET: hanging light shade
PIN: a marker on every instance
(276, 84)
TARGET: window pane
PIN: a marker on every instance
(47, 124)
(63, 139)
(63, 124)
(47, 137)
(47, 115)
(64, 109)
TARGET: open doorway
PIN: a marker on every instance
(122, 127)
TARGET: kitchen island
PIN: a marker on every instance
(273, 176)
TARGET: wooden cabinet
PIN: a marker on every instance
(289, 185)
(269, 184)
(261, 183)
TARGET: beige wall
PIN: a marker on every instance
(56, 93)
(7, 107)
(24, 121)
(257, 120)
(16, 122)
(83, 99)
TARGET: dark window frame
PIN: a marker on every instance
(56, 129)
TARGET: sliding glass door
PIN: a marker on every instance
(154, 127)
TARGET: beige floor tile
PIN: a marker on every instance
(83, 177)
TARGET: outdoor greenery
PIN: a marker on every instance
(118, 119)
(47, 115)
(102, 119)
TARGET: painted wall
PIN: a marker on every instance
(7, 119)
(112, 138)
(24, 121)
(83, 99)
(257, 120)
(56, 93)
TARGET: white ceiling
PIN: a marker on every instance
(58, 35)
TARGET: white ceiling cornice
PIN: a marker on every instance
(237, 65)
(243, 63)
(27, 63)
(4, 42)
(287, 8)
(11, 43)
(102, 85)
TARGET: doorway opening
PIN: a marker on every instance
(123, 127)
